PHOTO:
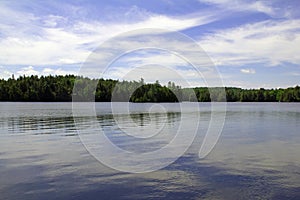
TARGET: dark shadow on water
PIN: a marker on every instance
(187, 178)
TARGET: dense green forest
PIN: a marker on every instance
(60, 88)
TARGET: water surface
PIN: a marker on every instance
(256, 157)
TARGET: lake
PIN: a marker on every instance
(256, 157)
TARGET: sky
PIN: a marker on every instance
(250, 44)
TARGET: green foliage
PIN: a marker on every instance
(60, 88)
(153, 93)
(33, 88)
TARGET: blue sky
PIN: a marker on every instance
(253, 44)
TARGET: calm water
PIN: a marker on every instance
(256, 157)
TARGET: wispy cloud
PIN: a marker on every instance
(248, 71)
(240, 5)
(275, 9)
(50, 44)
(270, 42)
(160, 57)
(37, 39)
(185, 77)
(294, 73)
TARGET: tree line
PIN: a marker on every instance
(60, 89)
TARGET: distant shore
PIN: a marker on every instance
(60, 89)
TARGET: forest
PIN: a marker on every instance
(60, 89)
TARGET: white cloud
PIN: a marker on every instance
(150, 73)
(248, 71)
(54, 41)
(248, 84)
(275, 9)
(4, 73)
(59, 71)
(163, 66)
(13, 23)
(27, 71)
(163, 59)
(241, 5)
(293, 74)
(30, 70)
(268, 42)
(54, 20)
(40, 41)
